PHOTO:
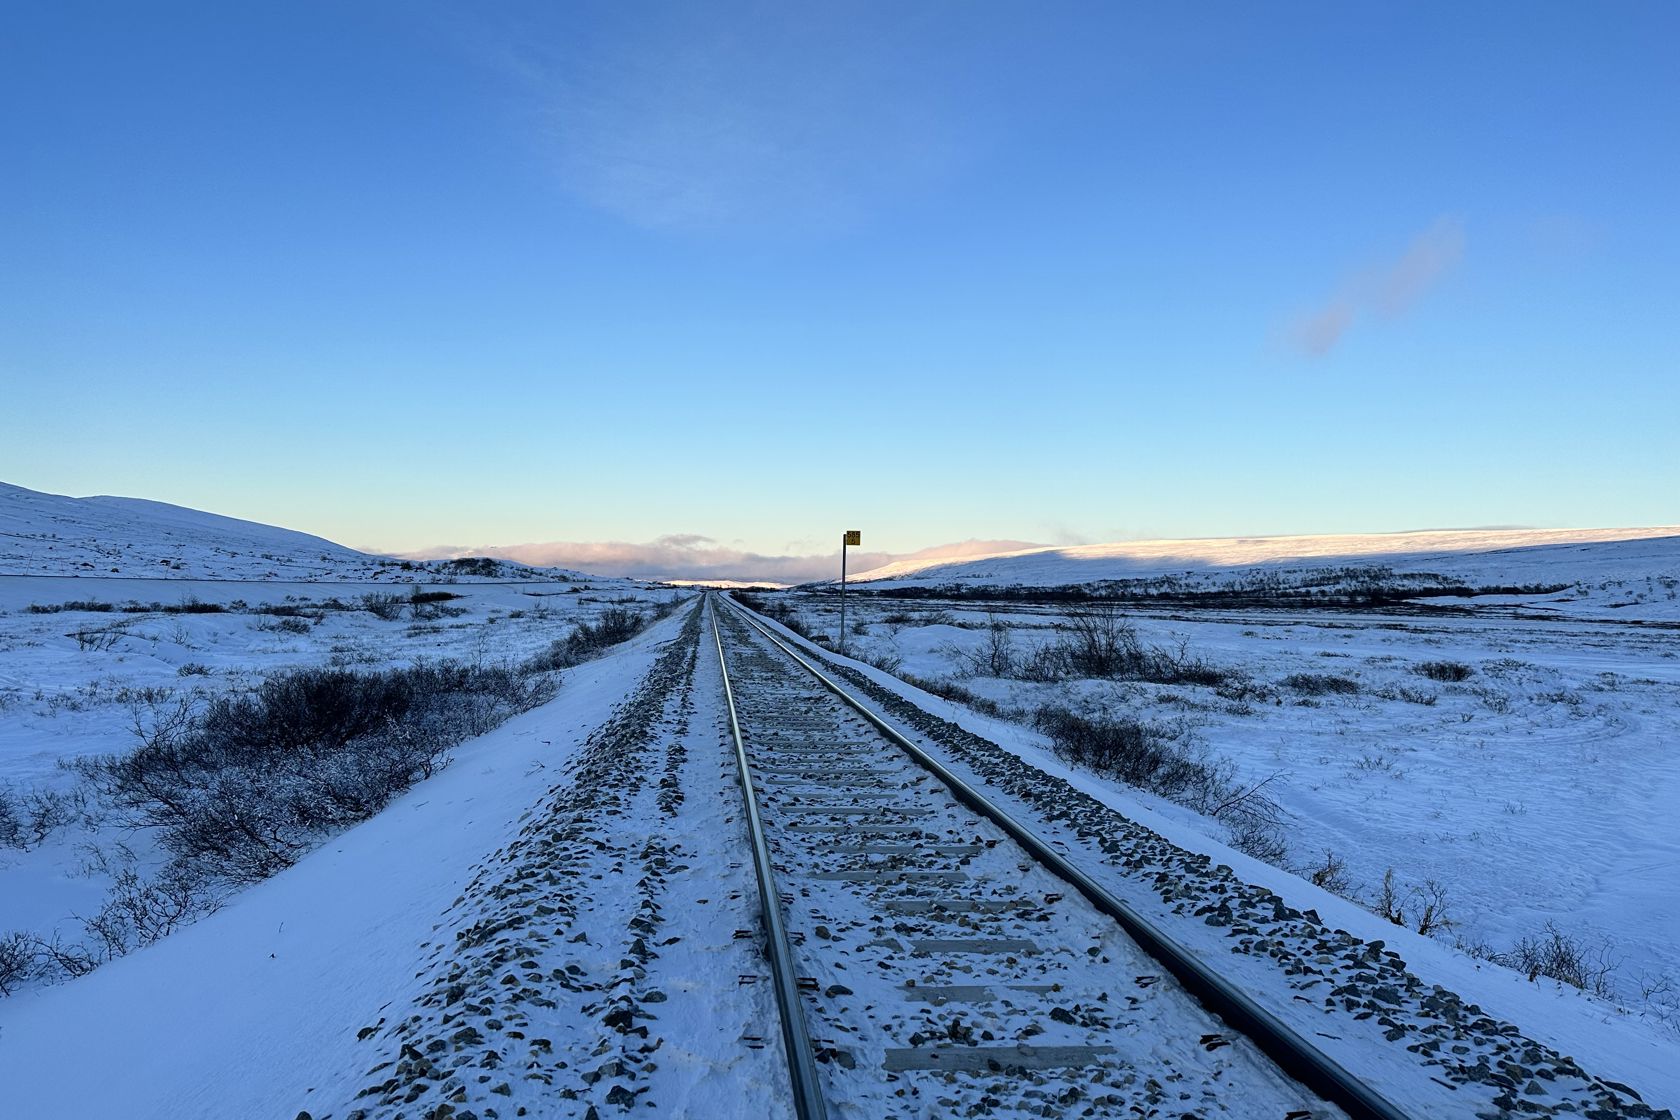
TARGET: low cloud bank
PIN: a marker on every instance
(691, 556)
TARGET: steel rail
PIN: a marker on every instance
(1292, 1053)
(796, 1040)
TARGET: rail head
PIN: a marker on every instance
(1293, 1053)
(796, 1039)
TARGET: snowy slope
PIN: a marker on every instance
(128, 538)
(1467, 554)
(1498, 554)
(1601, 568)
(49, 534)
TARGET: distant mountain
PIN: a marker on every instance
(1619, 567)
(53, 535)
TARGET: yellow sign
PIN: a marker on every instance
(854, 536)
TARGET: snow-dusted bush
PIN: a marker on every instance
(951, 690)
(1575, 961)
(27, 819)
(1425, 908)
(1331, 874)
(1317, 684)
(11, 823)
(243, 788)
(1157, 759)
(777, 609)
(139, 910)
(383, 605)
(19, 961)
(1447, 671)
(610, 627)
(1097, 641)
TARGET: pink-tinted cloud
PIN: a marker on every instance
(690, 556)
(1385, 291)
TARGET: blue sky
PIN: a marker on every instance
(411, 274)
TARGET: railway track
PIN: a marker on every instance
(932, 957)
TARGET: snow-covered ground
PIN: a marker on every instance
(276, 1003)
(65, 695)
(593, 843)
(87, 660)
(1533, 791)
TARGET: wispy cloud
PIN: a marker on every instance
(697, 557)
(714, 116)
(1384, 291)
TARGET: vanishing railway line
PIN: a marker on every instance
(932, 957)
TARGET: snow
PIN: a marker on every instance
(1637, 568)
(254, 1010)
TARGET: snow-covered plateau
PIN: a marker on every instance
(1627, 573)
(546, 906)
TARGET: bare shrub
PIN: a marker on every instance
(950, 690)
(28, 819)
(610, 627)
(192, 604)
(1136, 753)
(429, 605)
(88, 605)
(11, 820)
(1579, 962)
(1430, 911)
(995, 655)
(1447, 671)
(138, 911)
(1331, 874)
(1098, 641)
(1388, 903)
(244, 788)
(1424, 908)
(1157, 759)
(383, 605)
(1319, 684)
(1409, 694)
(48, 810)
(1262, 839)
(779, 609)
(1045, 664)
(887, 661)
(1495, 700)
(590, 638)
(19, 961)
(98, 638)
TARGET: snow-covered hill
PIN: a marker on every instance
(53, 535)
(1613, 568)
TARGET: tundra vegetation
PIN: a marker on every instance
(232, 778)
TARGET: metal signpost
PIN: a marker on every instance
(853, 536)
